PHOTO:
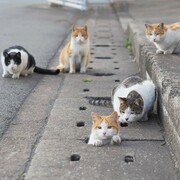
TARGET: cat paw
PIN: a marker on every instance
(15, 76)
(158, 51)
(72, 71)
(97, 143)
(167, 52)
(116, 140)
(83, 70)
(5, 75)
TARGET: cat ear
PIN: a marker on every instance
(73, 27)
(161, 25)
(147, 26)
(18, 55)
(114, 116)
(94, 116)
(6, 55)
(85, 27)
(122, 99)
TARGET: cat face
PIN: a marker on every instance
(130, 107)
(12, 61)
(105, 127)
(79, 34)
(155, 32)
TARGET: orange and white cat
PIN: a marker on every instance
(165, 37)
(105, 130)
(76, 54)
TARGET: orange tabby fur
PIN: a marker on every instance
(165, 37)
(78, 46)
(105, 130)
(159, 30)
(107, 119)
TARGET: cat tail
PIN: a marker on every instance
(46, 71)
(100, 101)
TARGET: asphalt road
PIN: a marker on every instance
(41, 30)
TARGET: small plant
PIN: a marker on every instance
(128, 44)
(87, 80)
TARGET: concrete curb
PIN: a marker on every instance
(164, 71)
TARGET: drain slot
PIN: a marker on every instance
(128, 159)
(80, 124)
(102, 45)
(85, 90)
(105, 57)
(99, 101)
(102, 74)
(82, 108)
(75, 157)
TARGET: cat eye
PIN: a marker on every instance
(122, 112)
(150, 34)
(132, 113)
(109, 127)
(99, 127)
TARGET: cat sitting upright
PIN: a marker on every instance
(76, 54)
(17, 61)
(105, 130)
(133, 99)
(165, 37)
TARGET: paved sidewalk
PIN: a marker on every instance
(162, 69)
(143, 141)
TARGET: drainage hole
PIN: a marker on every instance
(116, 68)
(85, 90)
(128, 159)
(115, 62)
(92, 53)
(80, 124)
(75, 157)
(90, 67)
(82, 108)
(117, 80)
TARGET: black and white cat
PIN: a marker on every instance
(17, 61)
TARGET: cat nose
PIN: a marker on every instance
(154, 40)
(104, 133)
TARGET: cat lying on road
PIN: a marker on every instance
(105, 130)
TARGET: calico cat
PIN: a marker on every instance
(105, 130)
(133, 99)
(17, 61)
(76, 54)
(165, 37)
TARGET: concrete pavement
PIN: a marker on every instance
(43, 137)
(163, 70)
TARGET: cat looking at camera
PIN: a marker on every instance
(16, 61)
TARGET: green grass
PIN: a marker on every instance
(87, 80)
(128, 45)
